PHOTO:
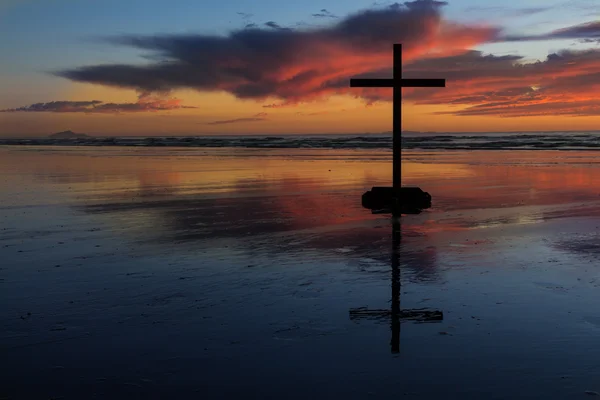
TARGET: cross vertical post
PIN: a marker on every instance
(393, 196)
(397, 119)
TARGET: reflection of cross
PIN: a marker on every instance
(397, 83)
(396, 314)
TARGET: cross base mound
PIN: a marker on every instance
(387, 200)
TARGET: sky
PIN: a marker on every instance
(187, 67)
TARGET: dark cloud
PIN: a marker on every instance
(57, 106)
(421, 4)
(284, 64)
(305, 24)
(507, 11)
(529, 11)
(324, 13)
(312, 113)
(145, 102)
(256, 118)
(279, 105)
(246, 19)
(275, 25)
(588, 30)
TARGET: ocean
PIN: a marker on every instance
(447, 141)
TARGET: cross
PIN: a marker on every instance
(397, 83)
(396, 314)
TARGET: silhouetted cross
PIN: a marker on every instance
(397, 83)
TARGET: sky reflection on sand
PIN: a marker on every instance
(189, 268)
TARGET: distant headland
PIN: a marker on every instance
(68, 135)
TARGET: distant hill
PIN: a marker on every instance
(68, 135)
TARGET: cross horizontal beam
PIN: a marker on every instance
(358, 82)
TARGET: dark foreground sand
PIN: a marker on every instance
(137, 273)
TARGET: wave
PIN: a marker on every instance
(566, 141)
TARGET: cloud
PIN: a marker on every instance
(235, 121)
(510, 12)
(145, 103)
(312, 113)
(324, 13)
(588, 30)
(255, 118)
(420, 4)
(283, 67)
(289, 65)
(279, 105)
(275, 25)
(528, 11)
(57, 106)
(565, 83)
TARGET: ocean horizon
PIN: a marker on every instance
(575, 140)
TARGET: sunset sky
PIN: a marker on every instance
(185, 67)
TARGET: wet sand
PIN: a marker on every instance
(213, 273)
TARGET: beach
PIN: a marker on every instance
(154, 272)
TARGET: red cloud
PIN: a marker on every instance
(565, 83)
